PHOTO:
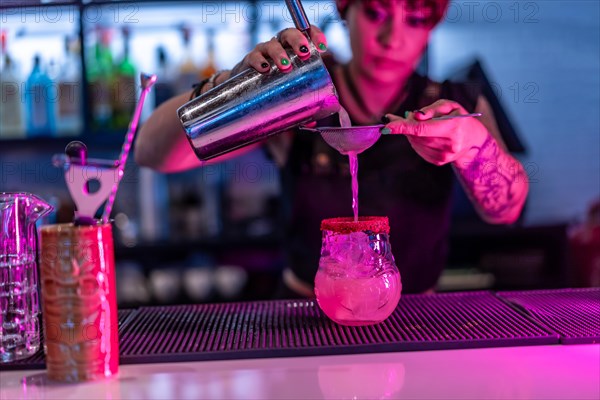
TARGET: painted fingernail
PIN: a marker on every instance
(322, 46)
(406, 114)
(285, 61)
(420, 112)
(264, 65)
(385, 119)
(386, 131)
(303, 49)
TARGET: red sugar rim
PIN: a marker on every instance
(347, 224)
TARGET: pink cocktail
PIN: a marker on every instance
(358, 282)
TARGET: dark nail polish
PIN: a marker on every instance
(264, 65)
(406, 114)
(322, 46)
(385, 119)
(285, 61)
(303, 49)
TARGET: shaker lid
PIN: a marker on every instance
(345, 225)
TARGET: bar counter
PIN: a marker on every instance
(471, 345)
(529, 372)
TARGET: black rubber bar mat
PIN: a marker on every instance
(573, 313)
(299, 328)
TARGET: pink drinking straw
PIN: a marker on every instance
(147, 83)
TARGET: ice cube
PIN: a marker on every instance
(366, 298)
(354, 255)
(351, 248)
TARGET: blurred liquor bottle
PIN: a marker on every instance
(188, 72)
(164, 88)
(153, 205)
(124, 86)
(210, 67)
(41, 96)
(11, 107)
(186, 209)
(100, 78)
(69, 110)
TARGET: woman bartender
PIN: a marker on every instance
(406, 175)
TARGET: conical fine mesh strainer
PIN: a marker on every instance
(348, 139)
(354, 139)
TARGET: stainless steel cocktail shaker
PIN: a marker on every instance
(251, 106)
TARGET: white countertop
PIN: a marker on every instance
(535, 372)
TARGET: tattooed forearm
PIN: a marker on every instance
(495, 181)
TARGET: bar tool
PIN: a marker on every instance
(19, 301)
(356, 139)
(298, 15)
(251, 106)
(81, 171)
(147, 82)
(447, 117)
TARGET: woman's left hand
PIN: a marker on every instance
(440, 142)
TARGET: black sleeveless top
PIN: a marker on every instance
(394, 181)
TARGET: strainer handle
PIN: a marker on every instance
(298, 15)
(306, 129)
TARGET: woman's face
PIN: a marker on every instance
(387, 38)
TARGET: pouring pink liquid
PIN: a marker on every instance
(358, 282)
(354, 172)
(345, 122)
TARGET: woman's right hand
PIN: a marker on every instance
(273, 50)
